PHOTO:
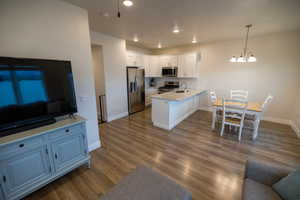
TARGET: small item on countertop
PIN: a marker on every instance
(152, 82)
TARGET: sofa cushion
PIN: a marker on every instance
(256, 191)
(289, 187)
(146, 184)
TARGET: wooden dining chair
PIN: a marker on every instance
(241, 95)
(212, 99)
(253, 121)
(267, 102)
(234, 114)
(212, 96)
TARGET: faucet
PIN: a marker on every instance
(183, 85)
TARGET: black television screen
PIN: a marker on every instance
(34, 89)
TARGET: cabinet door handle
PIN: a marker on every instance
(67, 130)
(4, 179)
(55, 155)
(21, 145)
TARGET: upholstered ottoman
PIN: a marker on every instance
(146, 184)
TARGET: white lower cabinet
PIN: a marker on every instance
(23, 170)
(167, 114)
(1, 193)
(68, 150)
(28, 163)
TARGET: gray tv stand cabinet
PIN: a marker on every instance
(31, 159)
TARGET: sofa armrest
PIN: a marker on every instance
(265, 173)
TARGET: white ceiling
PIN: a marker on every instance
(208, 20)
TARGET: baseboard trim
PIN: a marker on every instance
(277, 120)
(163, 126)
(94, 146)
(118, 116)
(295, 128)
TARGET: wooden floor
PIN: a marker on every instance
(209, 166)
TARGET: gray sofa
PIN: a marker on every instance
(259, 178)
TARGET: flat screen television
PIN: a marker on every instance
(33, 92)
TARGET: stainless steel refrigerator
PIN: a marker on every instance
(135, 89)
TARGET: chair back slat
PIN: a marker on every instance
(233, 108)
(239, 95)
(234, 116)
(267, 102)
(212, 97)
(234, 111)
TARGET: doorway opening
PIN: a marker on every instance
(99, 76)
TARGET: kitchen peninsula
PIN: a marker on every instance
(169, 109)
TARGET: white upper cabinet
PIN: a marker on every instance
(168, 61)
(187, 65)
(154, 67)
(146, 65)
(134, 59)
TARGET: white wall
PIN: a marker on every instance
(97, 56)
(277, 71)
(53, 30)
(114, 59)
(296, 120)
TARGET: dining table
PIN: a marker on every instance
(254, 109)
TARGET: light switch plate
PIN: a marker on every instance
(83, 98)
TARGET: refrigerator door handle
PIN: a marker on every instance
(130, 85)
(135, 85)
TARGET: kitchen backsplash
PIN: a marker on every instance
(184, 82)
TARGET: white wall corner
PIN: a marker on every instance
(94, 146)
(163, 126)
(295, 128)
(118, 116)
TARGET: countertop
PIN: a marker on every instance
(173, 96)
(40, 130)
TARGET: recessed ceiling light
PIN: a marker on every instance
(194, 40)
(159, 45)
(176, 30)
(127, 3)
(135, 39)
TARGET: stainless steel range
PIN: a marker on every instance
(168, 87)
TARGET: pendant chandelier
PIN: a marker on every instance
(246, 55)
(126, 3)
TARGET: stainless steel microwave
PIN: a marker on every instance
(169, 71)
